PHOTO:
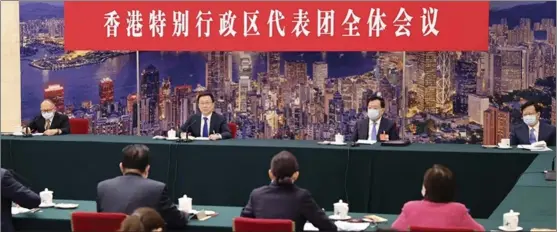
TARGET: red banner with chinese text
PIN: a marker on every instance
(277, 26)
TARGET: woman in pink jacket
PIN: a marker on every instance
(437, 209)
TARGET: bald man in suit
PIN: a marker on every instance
(50, 122)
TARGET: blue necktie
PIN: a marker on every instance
(373, 132)
(205, 128)
(532, 136)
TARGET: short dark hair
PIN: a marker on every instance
(203, 94)
(537, 106)
(136, 156)
(283, 166)
(377, 98)
(439, 183)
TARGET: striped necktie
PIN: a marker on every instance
(47, 125)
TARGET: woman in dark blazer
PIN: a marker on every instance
(282, 199)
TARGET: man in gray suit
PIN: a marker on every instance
(375, 127)
(133, 190)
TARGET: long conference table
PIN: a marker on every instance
(372, 178)
(60, 219)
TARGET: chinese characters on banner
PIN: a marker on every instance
(276, 26)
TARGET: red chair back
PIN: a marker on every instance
(79, 126)
(93, 222)
(429, 229)
(242, 224)
(233, 128)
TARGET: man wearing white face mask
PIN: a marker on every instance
(532, 129)
(375, 127)
(50, 122)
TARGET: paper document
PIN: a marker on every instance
(368, 142)
(342, 226)
(18, 210)
(534, 148)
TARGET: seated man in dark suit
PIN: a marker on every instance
(133, 190)
(50, 122)
(532, 129)
(207, 124)
(282, 199)
(14, 191)
(375, 127)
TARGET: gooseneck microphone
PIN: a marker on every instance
(187, 140)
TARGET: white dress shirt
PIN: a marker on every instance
(208, 124)
(536, 131)
(377, 123)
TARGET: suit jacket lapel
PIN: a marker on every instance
(525, 133)
(198, 124)
(41, 122)
(383, 126)
(213, 126)
(542, 132)
(365, 128)
(54, 121)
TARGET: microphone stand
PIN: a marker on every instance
(179, 135)
(187, 140)
(27, 132)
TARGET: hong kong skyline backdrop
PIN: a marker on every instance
(461, 97)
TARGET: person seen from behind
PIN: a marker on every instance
(438, 209)
(143, 220)
(282, 199)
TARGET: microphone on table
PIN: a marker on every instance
(187, 140)
(27, 131)
(550, 175)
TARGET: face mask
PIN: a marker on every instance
(373, 114)
(530, 120)
(423, 191)
(48, 115)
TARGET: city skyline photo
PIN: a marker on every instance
(442, 97)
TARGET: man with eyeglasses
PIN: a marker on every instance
(532, 130)
(50, 122)
(207, 123)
